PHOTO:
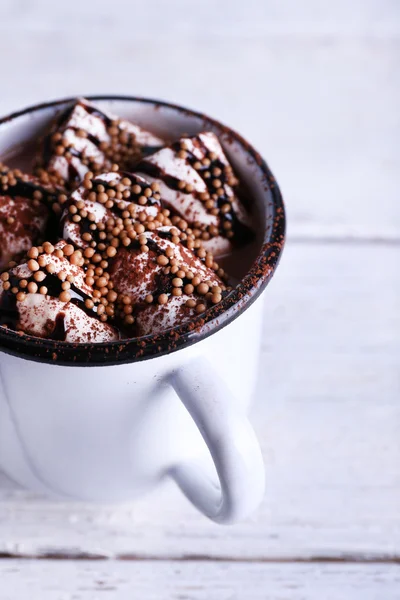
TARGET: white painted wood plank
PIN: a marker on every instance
(45, 580)
(229, 17)
(323, 111)
(328, 416)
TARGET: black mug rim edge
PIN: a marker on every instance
(156, 345)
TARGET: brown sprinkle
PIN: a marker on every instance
(39, 276)
(33, 265)
(65, 296)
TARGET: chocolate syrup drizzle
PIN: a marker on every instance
(62, 122)
(9, 314)
(242, 233)
(26, 189)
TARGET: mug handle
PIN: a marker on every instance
(231, 441)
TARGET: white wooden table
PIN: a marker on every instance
(316, 87)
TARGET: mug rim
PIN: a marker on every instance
(132, 350)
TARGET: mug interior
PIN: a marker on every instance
(18, 133)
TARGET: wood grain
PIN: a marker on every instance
(327, 415)
(316, 87)
(45, 580)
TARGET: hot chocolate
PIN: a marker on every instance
(117, 233)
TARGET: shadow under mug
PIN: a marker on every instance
(108, 422)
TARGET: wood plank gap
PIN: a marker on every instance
(347, 240)
(345, 558)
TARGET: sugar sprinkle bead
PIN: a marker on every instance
(101, 282)
(216, 298)
(188, 289)
(162, 299)
(111, 251)
(102, 197)
(177, 291)
(5, 277)
(88, 252)
(129, 320)
(6, 285)
(21, 296)
(177, 282)
(100, 309)
(68, 249)
(33, 265)
(23, 283)
(89, 303)
(196, 280)
(39, 276)
(75, 258)
(202, 289)
(32, 287)
(65, 296)
(43, 290)
(149, 298)
(162, 260)
(33, 252)
(48, 248)
(200, 308)
(227, 225)
(50, 268)
(190, 303)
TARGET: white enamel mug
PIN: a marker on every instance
(108, 422)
